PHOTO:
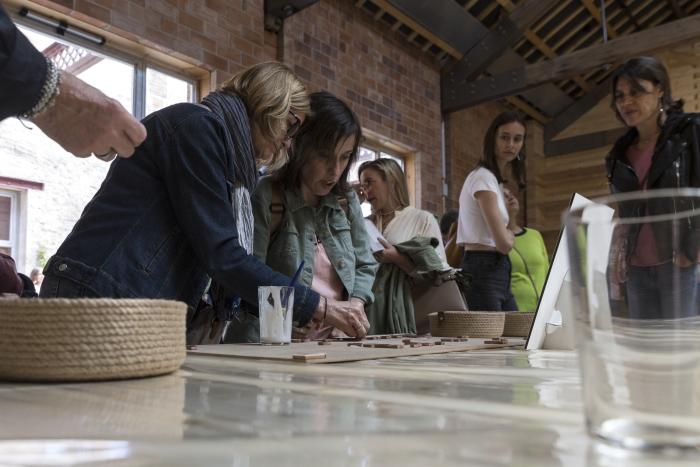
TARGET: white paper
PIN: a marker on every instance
(374, 235)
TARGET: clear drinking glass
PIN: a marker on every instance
(275, 305)
(633, 260)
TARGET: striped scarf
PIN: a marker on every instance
(239, 145)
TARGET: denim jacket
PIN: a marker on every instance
(161, 223)
(343, 237)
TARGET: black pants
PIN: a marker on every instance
(490, 285)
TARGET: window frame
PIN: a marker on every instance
(197, 79)
(13, 242)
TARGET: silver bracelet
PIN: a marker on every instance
(49, 91)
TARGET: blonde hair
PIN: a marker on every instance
(391, 172)
(270, 91)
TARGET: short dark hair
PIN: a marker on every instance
(331, 122)
(488, 159)
(647, 69)
(447, 219)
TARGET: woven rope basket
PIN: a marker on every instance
(90, 339)
(466, 323)
(518, 324)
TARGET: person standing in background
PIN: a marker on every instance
(528, 259)
(660, 150)
(483, 218)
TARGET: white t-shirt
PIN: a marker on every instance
(412, 222)
(472, 226)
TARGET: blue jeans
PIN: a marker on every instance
(665, 291)
(489, 289)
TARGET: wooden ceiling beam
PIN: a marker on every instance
(487, 11)
(518, 80)
(548, 17)
(577, 110)
(411, 23)
(595, 12)
(628, 11)
(462, 31)
(527, 109)
(500, 37)
(677, 10)
(534, 38)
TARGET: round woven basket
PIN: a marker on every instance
(466, 323)
(518, 323)
(90, 339)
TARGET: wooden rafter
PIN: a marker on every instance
(517, 80)
(500, 38)
(622, 4)
(487, 11)
(540, 44)
(417, 29)
(470, 4)
(595, 12)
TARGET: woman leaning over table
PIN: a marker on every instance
(178, 212)
(308, 212)
(483, 217)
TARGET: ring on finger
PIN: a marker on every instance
(108, 156)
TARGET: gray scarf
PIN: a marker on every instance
(239, 145)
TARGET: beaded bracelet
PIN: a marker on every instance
(49, 91)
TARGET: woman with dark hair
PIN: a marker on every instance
(661, 149)
(483, 216)
(308, 212)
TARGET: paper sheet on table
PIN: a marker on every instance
(374, 235)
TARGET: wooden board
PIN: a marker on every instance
(339, 351)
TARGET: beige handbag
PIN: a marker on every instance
(430, 299)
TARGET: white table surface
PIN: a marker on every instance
(493, 407)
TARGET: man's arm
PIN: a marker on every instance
(22, 70)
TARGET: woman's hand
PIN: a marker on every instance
(348, 316)
(681, 260)
(389, 254)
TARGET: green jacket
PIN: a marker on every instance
(343, 237)
(392, 311)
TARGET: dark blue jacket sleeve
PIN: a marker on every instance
(22, 70)
(194, 171)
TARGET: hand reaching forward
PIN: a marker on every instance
(348, 316)
(84, 121)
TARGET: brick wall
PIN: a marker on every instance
(331, 45)
(392, 86)
(222, 35)
(464, 137)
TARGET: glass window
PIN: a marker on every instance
(369, 154)
(364, 155)
(69, 182)
(111, 76)
(163, 90)
(399, 160)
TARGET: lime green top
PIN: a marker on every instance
(530, 264)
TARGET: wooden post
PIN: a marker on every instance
(534, 144)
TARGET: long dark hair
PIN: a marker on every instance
(488, 159)
(647, 69)
(330, 123)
